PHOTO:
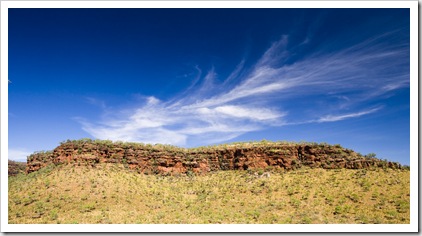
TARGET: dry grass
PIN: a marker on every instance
(112, 194)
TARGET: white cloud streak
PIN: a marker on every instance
(331, 118)
(209, 112)
(18, 154)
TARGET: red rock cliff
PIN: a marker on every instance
(162, 159)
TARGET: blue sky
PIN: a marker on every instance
(192, 77)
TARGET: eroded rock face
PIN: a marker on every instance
(38, 160)
(170, 161)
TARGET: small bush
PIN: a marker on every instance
(371, 155)
(88, 207)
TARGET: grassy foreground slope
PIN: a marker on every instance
(113, 194)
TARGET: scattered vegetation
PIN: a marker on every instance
(15, 167)
(166, 147)
(96, 192)
(110, 193)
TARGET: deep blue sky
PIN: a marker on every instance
(193, 77)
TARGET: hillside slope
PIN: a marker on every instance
(111, 193)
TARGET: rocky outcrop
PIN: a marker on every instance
(170, 160)
(15, 168)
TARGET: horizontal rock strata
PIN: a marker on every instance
(169, 160)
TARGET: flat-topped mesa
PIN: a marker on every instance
(168, 160)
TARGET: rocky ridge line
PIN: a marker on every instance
(170, 160)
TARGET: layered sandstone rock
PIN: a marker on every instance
(169, 160)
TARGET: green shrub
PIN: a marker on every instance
(371, 155)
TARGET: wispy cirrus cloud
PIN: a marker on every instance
(331, 118)
(329, 88)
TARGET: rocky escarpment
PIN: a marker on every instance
(169, 160)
